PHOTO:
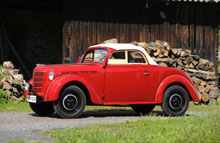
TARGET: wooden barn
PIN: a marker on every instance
(58, 31)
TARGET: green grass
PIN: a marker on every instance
(199, 129)
(193, 107)
(14, 106)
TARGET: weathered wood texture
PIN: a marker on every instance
(190, 26)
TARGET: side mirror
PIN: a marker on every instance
(79, 59)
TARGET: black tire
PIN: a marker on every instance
(175, 101)
(143, 109)
(71, 103)
(42, 109)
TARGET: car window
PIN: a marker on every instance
(135, 57)
(97, 55)
(118, 57)
(126, 57)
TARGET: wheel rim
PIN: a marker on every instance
(70, 102)
(175, 101)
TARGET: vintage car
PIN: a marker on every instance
(110, 74)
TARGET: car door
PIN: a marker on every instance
(127, 79)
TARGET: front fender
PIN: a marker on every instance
(57, 84)
(176, 79)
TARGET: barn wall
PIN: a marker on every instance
(184, 25)
(35, 34)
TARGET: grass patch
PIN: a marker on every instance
(193, 107)
(204, 128)
(11, 106)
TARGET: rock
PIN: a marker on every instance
(16, 99)
(13, 83)
(214, 92)
(7, 86)
(8, 65)
(111, 41)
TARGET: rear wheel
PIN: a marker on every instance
(175, 101)
(42, 109)
(143, 109)
(71, 102)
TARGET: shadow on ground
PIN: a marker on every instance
(108, 113)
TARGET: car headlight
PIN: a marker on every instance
(27, 86)
(51, 75)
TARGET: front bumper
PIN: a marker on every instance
(34, 99)
(32, 96)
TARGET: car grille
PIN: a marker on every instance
(38, 81)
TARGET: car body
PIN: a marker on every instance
(110, 74)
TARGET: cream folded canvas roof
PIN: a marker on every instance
(123, 46)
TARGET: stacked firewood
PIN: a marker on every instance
(202, 72)
(12, 83)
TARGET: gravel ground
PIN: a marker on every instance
(28, 126)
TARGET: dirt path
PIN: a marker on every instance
(28, 126)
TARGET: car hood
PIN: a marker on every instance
(68, 67)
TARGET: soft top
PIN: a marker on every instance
(123, 46)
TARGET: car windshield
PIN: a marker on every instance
(95, 55)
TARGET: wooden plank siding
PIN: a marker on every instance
(190, 26)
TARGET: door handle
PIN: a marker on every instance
(146, 73)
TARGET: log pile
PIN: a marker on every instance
(202, 72)
(12, 83)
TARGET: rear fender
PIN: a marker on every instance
(57, 84)
(176, 79)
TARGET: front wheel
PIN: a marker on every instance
(42, 109)
(71, 102)
(175, 101)
(143, 109)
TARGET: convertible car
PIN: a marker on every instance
(109, 74)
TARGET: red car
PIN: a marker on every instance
(110, 74)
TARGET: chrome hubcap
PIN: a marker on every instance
(70, 102)
(175, 101)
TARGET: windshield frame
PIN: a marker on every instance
(92, 50)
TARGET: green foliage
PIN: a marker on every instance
(199, 129)
(219, 66)
(2, 74)
(4, 97)
(219, 33)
